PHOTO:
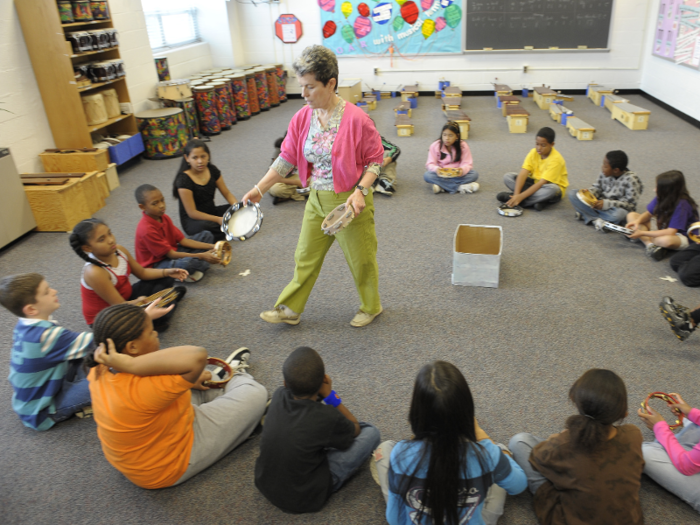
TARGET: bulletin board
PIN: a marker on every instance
(677, 32)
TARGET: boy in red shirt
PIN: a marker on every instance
(161, 244)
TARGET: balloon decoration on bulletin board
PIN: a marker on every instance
(288, 29)
(405, 28)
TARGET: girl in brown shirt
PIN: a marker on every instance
(590, 472)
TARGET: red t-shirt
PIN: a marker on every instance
(155, 239)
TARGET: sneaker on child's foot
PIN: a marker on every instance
(472, 187)
(655, 252)
(678, 317)
(281, 314)
(181, 292)
(578, 216)
(437, 189)
(504, 196)
(84, 413)
(379, 188)
(194, 277)
(599, 225)
(538, 206)
(238, 361)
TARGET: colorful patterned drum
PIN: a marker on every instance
(231, 102)
(281, 82)
(240, 96)
(65, 11)
(252, 94)
(189, 108)
(164, 132)
(99, 9)
(222, 104)
(162, 68)
(272, 89)
(261, 87)
(82, 11)
(207, 112)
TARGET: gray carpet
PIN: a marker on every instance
(570, 298)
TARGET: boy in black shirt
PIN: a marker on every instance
(309, 448)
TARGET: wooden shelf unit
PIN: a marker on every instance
(45, 37)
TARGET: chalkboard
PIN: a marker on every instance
(537, 24)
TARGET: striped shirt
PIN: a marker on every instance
(40, 354)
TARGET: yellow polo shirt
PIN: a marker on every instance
(552, 169)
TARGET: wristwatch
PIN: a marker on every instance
(364, 190)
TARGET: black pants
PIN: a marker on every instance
(193, 227)
(147, 288)
(687, 264)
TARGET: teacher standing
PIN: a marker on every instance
(338, 153)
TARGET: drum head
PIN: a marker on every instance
(158, 113)
(241, 222)
(507, 211)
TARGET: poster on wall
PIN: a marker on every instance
(381, 27)
(677, 33)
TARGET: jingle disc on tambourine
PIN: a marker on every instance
(694, 232)
(508, 211)
(167, 296)
(219, 380)
(222, 250)
(338, 219)
(669, 399)
(586, 197)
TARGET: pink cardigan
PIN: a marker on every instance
(356, 145)
(434, 161)
(686, 461)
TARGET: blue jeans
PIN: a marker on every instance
(450, 185)
(521, 446)
(190, 264)
(658, 466)
(344, 463)
(614, 215)
(74, 394)
(549, 193)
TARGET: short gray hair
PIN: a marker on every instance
(320, 61)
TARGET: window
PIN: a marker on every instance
(171, 23)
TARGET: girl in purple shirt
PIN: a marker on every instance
(664, 224)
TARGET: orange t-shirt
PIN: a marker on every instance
(144, 425)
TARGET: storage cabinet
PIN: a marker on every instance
(53, 60)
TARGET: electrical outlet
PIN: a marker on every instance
(376, 71)
(524, 69)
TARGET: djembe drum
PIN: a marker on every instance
(261, 88)
(164, 132)
(272, 89)
(222, 104)
(252, 93)
(162, 68)
(281, 82)
(207, 112)
(189, 108)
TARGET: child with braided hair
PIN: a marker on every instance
(157, 421)
(105, 278)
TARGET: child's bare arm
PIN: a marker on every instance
(187, 361)
(325, 391)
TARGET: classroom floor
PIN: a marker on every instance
(569, 299)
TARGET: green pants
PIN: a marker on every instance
(358, 242)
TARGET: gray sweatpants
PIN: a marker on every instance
(223, 419)
(549, 193)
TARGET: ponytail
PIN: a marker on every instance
(80, 237)
(122, 323)
(601, 398)
(184, 165)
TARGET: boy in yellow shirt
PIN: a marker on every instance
(542, 179)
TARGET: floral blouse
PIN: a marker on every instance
(317, 150)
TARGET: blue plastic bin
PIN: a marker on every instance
(127, 149)
(602, 101)
(413, 101)
(564, 116)
(526, 93)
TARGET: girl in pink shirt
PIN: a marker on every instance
(449, 151)
(673, 460)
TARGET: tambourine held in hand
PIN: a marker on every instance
(508, 211)
(242, 221)
(586, 197)
(449, 173)
(669, 400)
(694, 232)
(167, 296)
(217, 381)
(615, 228)
(222, 250)
(338, 219)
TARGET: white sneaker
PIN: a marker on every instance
(194, 277)
(578, 216)
(437, 189)
(472, 187)
(599, 225)
(281, 314)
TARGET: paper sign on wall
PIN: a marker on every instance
(288, 29)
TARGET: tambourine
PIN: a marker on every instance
(307, 190)
(222, 250)
(449, 173)
(619, 229)
(693, 231)
(507, 211)
(221, 382)
(168, 296)
(669, 399)
(242, 221)
(338, 219)
(586, 197)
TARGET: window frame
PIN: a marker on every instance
(159, 14)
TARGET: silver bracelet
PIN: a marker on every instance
(260, 192)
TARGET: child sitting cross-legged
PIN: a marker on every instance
(161, 244)
(311, 443)
(450, 151)
(617, 191)
(158, 423)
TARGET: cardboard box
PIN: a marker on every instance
(112, 177)
(477, 255)
(58, 208)
(75, 161)
(351, 90)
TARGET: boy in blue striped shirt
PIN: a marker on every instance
(46, 369)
